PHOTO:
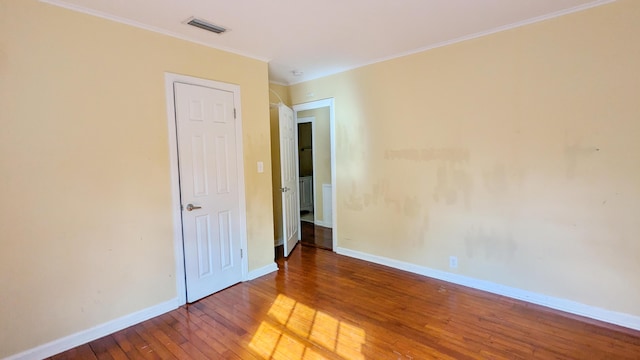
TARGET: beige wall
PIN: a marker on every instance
(84, 163)
(518, 152)
(277, 93)
(322, 155)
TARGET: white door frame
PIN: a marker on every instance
(332, 135)
(169, 79)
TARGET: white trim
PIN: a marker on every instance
(176, 214)
(463, 38)
(170, 79)
(96, 332)
(254, 274)
(100, 14)
(323, 224)
(278, 83)
(327, 210)
(573, 307)
(279, 241)
(330, 102)
(242, 198)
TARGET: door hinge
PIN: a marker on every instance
(241, 254)
(234, 113)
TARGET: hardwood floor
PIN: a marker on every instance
(317, 236)
(310, 235)
(322, 305)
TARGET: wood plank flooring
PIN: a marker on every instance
(320, 305)
(316, 236)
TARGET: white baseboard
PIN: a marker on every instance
(617, 318)
(96, 332)
(262, 271)
(323, 224)
(278, 242)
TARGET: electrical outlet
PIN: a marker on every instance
(453, 262)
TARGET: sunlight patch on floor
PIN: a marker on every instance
(296, 331)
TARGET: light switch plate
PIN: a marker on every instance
(260, 167)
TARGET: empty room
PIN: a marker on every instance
(320, 180)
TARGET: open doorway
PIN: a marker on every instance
(316, 172)
(306, 168)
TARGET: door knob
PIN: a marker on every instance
(191, 207)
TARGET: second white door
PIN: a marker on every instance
(289, 178)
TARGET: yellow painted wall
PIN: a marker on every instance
(85, 214)
(518, 152)
(322, 155)
(277, 93)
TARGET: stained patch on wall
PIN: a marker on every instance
(576, 154)
(429, 154)
(491, 244)
(452, 183)
(411, 206)
(501, 179)
(413, 222)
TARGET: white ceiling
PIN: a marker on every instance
(320, 38)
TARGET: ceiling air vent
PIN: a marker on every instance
(205, 25)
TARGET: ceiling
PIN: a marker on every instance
(319, 38)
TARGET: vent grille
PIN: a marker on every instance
(205, 25)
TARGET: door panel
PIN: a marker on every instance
(199, 169)
(226, 245)
(203, 239)
(207, 157)
(222, 165)
(290, 212)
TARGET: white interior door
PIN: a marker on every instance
(290, 212)
(209, 190)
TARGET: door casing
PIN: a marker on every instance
(170, 79)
